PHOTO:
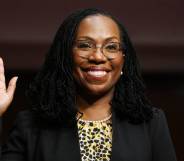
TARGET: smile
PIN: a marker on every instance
(97, 73)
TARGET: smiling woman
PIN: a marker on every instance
(88, 100)
(97, 70)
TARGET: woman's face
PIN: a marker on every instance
(94, 72)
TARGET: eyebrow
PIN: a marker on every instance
(89, 38)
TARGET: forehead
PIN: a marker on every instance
(98, 27)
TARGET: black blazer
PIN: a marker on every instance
(144, 142)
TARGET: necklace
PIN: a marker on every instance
(97, 121)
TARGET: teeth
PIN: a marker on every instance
(97, 73)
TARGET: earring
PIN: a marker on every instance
(121, 72)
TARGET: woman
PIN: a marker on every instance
(88, 100)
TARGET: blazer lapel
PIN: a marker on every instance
(59, 145)
(116, 141)
(64, 145)
(71, 150)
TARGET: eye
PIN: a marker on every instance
(84, 45)
(112, 47)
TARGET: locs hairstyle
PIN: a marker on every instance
(52, 93)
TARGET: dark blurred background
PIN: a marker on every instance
(156, 28)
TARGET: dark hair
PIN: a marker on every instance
(52, 93)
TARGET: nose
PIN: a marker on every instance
(97, 56)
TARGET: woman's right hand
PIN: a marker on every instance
(6, 94)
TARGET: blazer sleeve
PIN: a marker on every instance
(162, 146)
(14, 148)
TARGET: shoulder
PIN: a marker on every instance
(158, 124)
(28, 119)
(24, 120)
(158, 116)
(24, 117)
(160, 137)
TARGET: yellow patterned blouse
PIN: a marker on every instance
(95, 139)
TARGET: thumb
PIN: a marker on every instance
(11, 87)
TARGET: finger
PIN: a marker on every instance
(2, 76)
(1, 66)
(11, 87)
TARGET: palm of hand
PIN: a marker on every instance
(4, 102)
(6, 94)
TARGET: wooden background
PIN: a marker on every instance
(156, 28)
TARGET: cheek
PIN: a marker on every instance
(76, 68)
(77, 74)
(118, 64)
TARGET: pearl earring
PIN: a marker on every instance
(121, 73)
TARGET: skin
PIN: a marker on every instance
(6, 93)
(94, 93)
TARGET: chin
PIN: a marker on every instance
(98, 90)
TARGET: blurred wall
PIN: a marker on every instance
(155, 27)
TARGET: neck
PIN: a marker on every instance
(94, 108)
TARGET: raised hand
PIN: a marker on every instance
(6, 93)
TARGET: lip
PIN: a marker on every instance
(96, 68)
(97, 79)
